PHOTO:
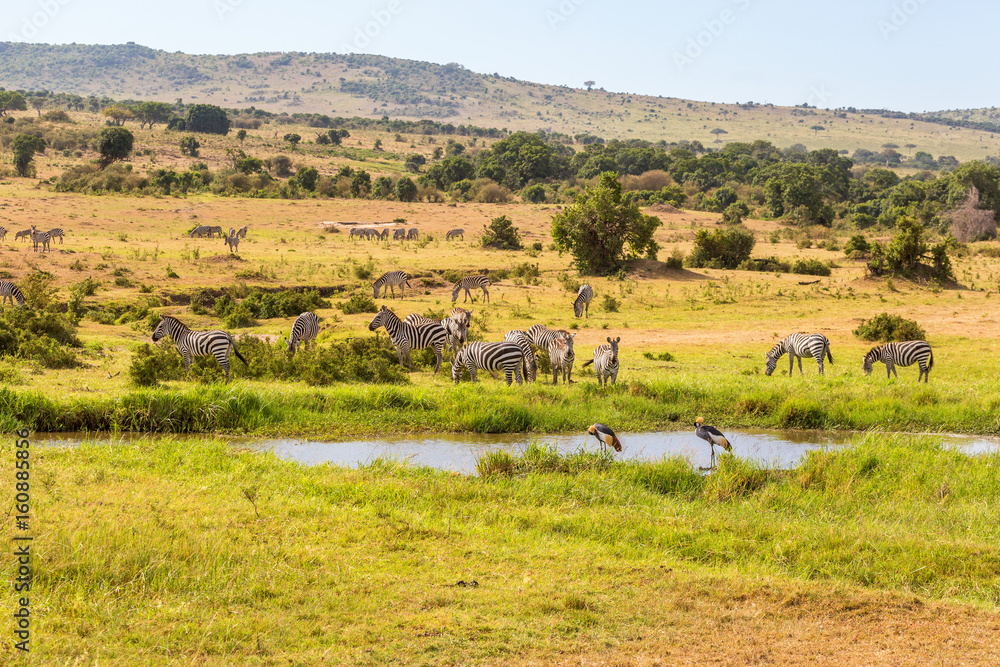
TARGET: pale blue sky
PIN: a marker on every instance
(910, 55)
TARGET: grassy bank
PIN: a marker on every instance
(665, 401)
(204, 554)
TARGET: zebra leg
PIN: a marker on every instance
(472, 371)
(614, 378)
(409, 362)
(438, 352)
(800, 365)
(486, 294)
(819, 360)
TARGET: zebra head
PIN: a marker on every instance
(866, 365)
(378, 320)
(161, 330)
(455, 290)
(578, 307)
(457, 363)
(291, 345)
(614, 349)
(771, 358)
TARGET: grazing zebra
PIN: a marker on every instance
(42, 238)
(23, 234)
(216, 229)
(232, 231)
(520, 339)
(384, 236)
(56, 232)
(455, 233)
(456, 330)
(412, 234)
(901, 354)
(799, 345)
(3, 233)
(541, 336)
(389, 280)
(583, 298)
(561, 357)
(606, 362)
(304, 330)
(399, 235)
(242, 232)
(489, 357)
(233, 241)
(198, 343)
(9, 290)
(354, 233)
(469, 283)
(408, 337)
(202, 230)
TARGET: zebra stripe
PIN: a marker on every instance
(520, 339)
(408, 337)
(561, 357)
(9, 290)
(454, 233)
(399, 235)
(384, 236)
(901, 354)
(541, 336)
(799, 345)
(606, 362)
(304, 330)
(3, 233)
(198, 343)
(23, 234)
(489, 357)
(53, 233)
(389, 280)
(233, 242)
(583, 298)
(242, 232)
(456, 329)
(40, 238)
(412, 234)
(206, 230)
(232, 231)
(469, 283)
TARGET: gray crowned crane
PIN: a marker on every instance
(605, 436)
(712, 436)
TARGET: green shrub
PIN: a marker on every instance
(766, 264)
(152, 363)
(611, 304)
(570, 284)
(358, 303)
(886, 328)
(46, 337)
(722, 248)
(676, 260)
(810, 267)
(501, 234)
(525, 273)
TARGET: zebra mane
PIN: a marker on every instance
(778, 347)
(174, 319)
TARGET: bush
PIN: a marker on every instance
(765, 264)
(45, 336)
(810, 267)
(611, 304)
(152, 363)
(886, 328)
(735, 213)
(676, 260)
(534, 194)
(722, 248)
(358, 303)
(501, 234)
(857, 243)
(525, 273)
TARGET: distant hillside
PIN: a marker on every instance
(372, 86)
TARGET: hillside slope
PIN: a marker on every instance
(367, 85)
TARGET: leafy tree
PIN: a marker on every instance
(333, 137)
(206, 119)
(241, 135)
(114, 144)
(37, 103)
(378, 145)
(11, 100)
(722, 248)
(118, 113)
(190, 146)
(382, 187)
(519, 158)
(602, 230)
(281, 165)
(25, 146)
(735, 213)
(450, 170)
(415, 162)
(244, 163)
(405, 189)
(817, 129)
(501, 234)
(454, 148)
(534, 193)
(152, 113)
(361, 183)
(292, 138)
(306, 178)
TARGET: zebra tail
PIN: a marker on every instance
(240, 356)
(829, 355)
(587, 363)
(930, 360)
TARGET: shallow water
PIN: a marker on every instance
(458, 452)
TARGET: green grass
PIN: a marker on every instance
(216, 556)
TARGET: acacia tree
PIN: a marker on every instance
(118, 113)
(207, 119)
(151, 113)
(25, 146)
(602, 230)
(11, 100)
(114, 144)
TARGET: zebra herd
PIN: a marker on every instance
(905, 353)
(36, 237)
(398, 234)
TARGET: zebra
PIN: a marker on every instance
(520, 339)
(389, 280)
(42, 238)
(304, 330)
(198, 343)
(54, 233)
(408, 337)
(23, 234)
(3, 233)
(233, 241)
(354, 233)
(489, 357)
(9, 290)
(216, 229)
(399, 235)
(232, 231)
(384, 236)
(606, 362)
(901, 354)
(541, 336)
(561, 357)
(202, 230)
(456, 330)
(412, 234)
(242, 232)
(469, 283)
(583, 298)
(455, 233)
(799, 345)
